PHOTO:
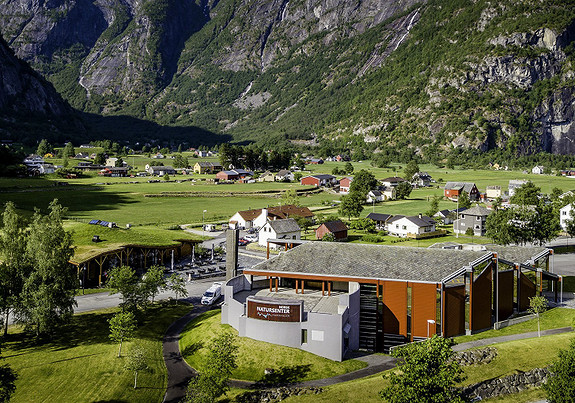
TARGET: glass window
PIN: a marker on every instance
(303, 336)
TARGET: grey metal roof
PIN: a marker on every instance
(284, 226)
(371, 261)
(335, 226)
(424, 221)
(379, 216)
(515, 254)
(476, 211)
(467, 186)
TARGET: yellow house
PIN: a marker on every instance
(203, 167)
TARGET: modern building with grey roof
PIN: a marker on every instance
(347, 296)
(474, 218)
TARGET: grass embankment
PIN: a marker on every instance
(512, 357)
(255, 356)
(551, 319)
(113, 238)
(81, 364)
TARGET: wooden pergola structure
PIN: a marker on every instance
(92, 270)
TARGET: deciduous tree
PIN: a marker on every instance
(403, 190)
(49, 289)
(351, 204)
(427, 373)
(153, 282)
(122, 328)
(136, 361)
(537, 305)
(410, 169)
(177, 285)
(123, 280)
(14, 266)
(363, 182)
(560, 386)
(463, 200)
(220, 363)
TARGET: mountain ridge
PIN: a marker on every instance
(430, 76)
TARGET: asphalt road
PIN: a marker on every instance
(564, 264)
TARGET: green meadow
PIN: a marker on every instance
(80, 363)
(153, 206)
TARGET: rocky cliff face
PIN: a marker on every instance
(23, 91)
(426, 75)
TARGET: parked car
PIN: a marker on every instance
(212, 294)
(252, 237)
(243, 242)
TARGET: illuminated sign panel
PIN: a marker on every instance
(274, 310)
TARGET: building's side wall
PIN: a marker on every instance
(395, 307)
(424, 308)
(324, 335)
(454, 311)
(481, 301)
(232, 310)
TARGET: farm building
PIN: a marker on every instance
(337, 228)
(319, 180)
(331, 299)
(452, 190)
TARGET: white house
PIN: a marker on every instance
(46, 169)
(401, 226)
(566, 214)
(538, 170)
(374, 196)
(248, 219)
(284, 176)
(279, 229)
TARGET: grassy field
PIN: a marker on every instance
(81, 364)
(255, 356)
(128, 201)
(513, 357)
(113, 238)
(551, 319)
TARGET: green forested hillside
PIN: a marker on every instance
(429, 76)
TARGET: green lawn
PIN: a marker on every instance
(551, 319)
(81, 364)
(113, 238)
(255, 356)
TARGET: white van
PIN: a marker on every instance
(212, 294)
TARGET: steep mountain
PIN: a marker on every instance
(28, 102)
(420, 76)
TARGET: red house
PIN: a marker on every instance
(344, 185)
(337, 228)
(452, 190)
(319, 180)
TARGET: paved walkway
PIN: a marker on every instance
(511, 337)
(179, 372)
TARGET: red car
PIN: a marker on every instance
(243, 242)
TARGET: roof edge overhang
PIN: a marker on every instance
(317, 276)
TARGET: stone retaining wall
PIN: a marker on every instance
(275, 395)
(507, 384)
(476, 357)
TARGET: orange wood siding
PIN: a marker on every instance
(423, 308)
(526, 290)
(505, 292)
(395, 307)
(454, 311)
(481, 301)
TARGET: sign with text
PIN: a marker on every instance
(274, 310)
